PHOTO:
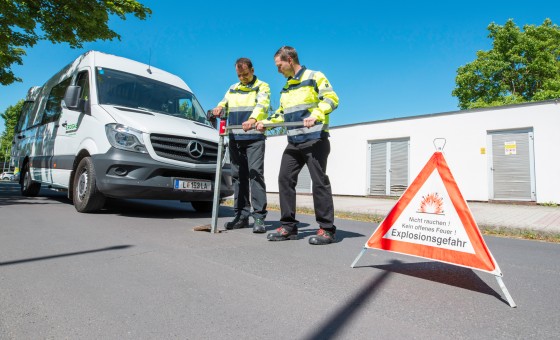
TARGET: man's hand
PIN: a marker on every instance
(309, 122)
(248, 124)
(217, 111)
(260, 127)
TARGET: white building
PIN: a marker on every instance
(507, 153)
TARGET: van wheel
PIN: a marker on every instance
(202, 207)
(28, 187)
(86, 197)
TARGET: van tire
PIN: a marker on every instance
(28, 187)
(202, 207)
(86, 197)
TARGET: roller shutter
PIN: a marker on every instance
(511, 165)
(388, 167)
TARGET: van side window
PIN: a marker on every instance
(24, 118)
(83, 82)
(53, 108)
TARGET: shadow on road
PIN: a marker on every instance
(443, 273)
(50, 257)
(160, 209)
(10, 195)
(304, 232)
(341, 317)
(433, 271)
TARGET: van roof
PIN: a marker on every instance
(96, 59)
(32, 93)
(101, 59)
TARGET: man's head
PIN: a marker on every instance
(287, 61)
(244, 69)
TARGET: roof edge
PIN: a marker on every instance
(446, 113)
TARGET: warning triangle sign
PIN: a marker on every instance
(432, 220)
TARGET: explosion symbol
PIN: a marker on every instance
(432, 204)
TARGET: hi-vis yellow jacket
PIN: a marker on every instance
(308, 93)
(242, 102)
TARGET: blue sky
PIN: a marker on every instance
(388, 60)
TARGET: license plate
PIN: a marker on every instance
(192, 185)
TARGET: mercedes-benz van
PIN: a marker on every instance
(107, 126)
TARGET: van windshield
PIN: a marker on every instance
(133, 91)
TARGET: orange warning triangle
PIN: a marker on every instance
(432, 220)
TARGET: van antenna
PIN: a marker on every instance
(149, 62)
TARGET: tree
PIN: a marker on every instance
(71, 21)
(10, 116)
(522, 66)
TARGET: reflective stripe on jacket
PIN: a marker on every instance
(242, 102)
(308, 93)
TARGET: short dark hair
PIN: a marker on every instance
(287, 51)
(244, 61)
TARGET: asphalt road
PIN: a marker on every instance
(139, 271)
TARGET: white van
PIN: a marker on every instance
(106, 126)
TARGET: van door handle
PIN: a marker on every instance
(64, 124)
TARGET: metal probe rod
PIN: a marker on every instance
(219, 165)
(273, 125)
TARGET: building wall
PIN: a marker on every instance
(465, 134)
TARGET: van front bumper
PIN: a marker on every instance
(126, 174)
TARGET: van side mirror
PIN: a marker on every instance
(72, 97)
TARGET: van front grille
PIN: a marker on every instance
(183, 149)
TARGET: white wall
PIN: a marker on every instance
(274, 147)
(465, 133)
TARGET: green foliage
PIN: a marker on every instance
(522, 66)
(10, 116)
(70, 21)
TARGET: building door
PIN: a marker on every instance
(511, 165)
(388, 167)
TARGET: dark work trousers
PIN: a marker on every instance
(247, 165)
(314, 153)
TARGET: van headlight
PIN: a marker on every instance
(125, 138)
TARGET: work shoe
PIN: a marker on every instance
(237, 223)
(323, 237)
(258, 226)
(282, 234)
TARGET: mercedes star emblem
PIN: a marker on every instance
(195, 149)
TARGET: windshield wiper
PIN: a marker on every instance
(147, 109)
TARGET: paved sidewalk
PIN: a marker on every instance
(532, 217)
